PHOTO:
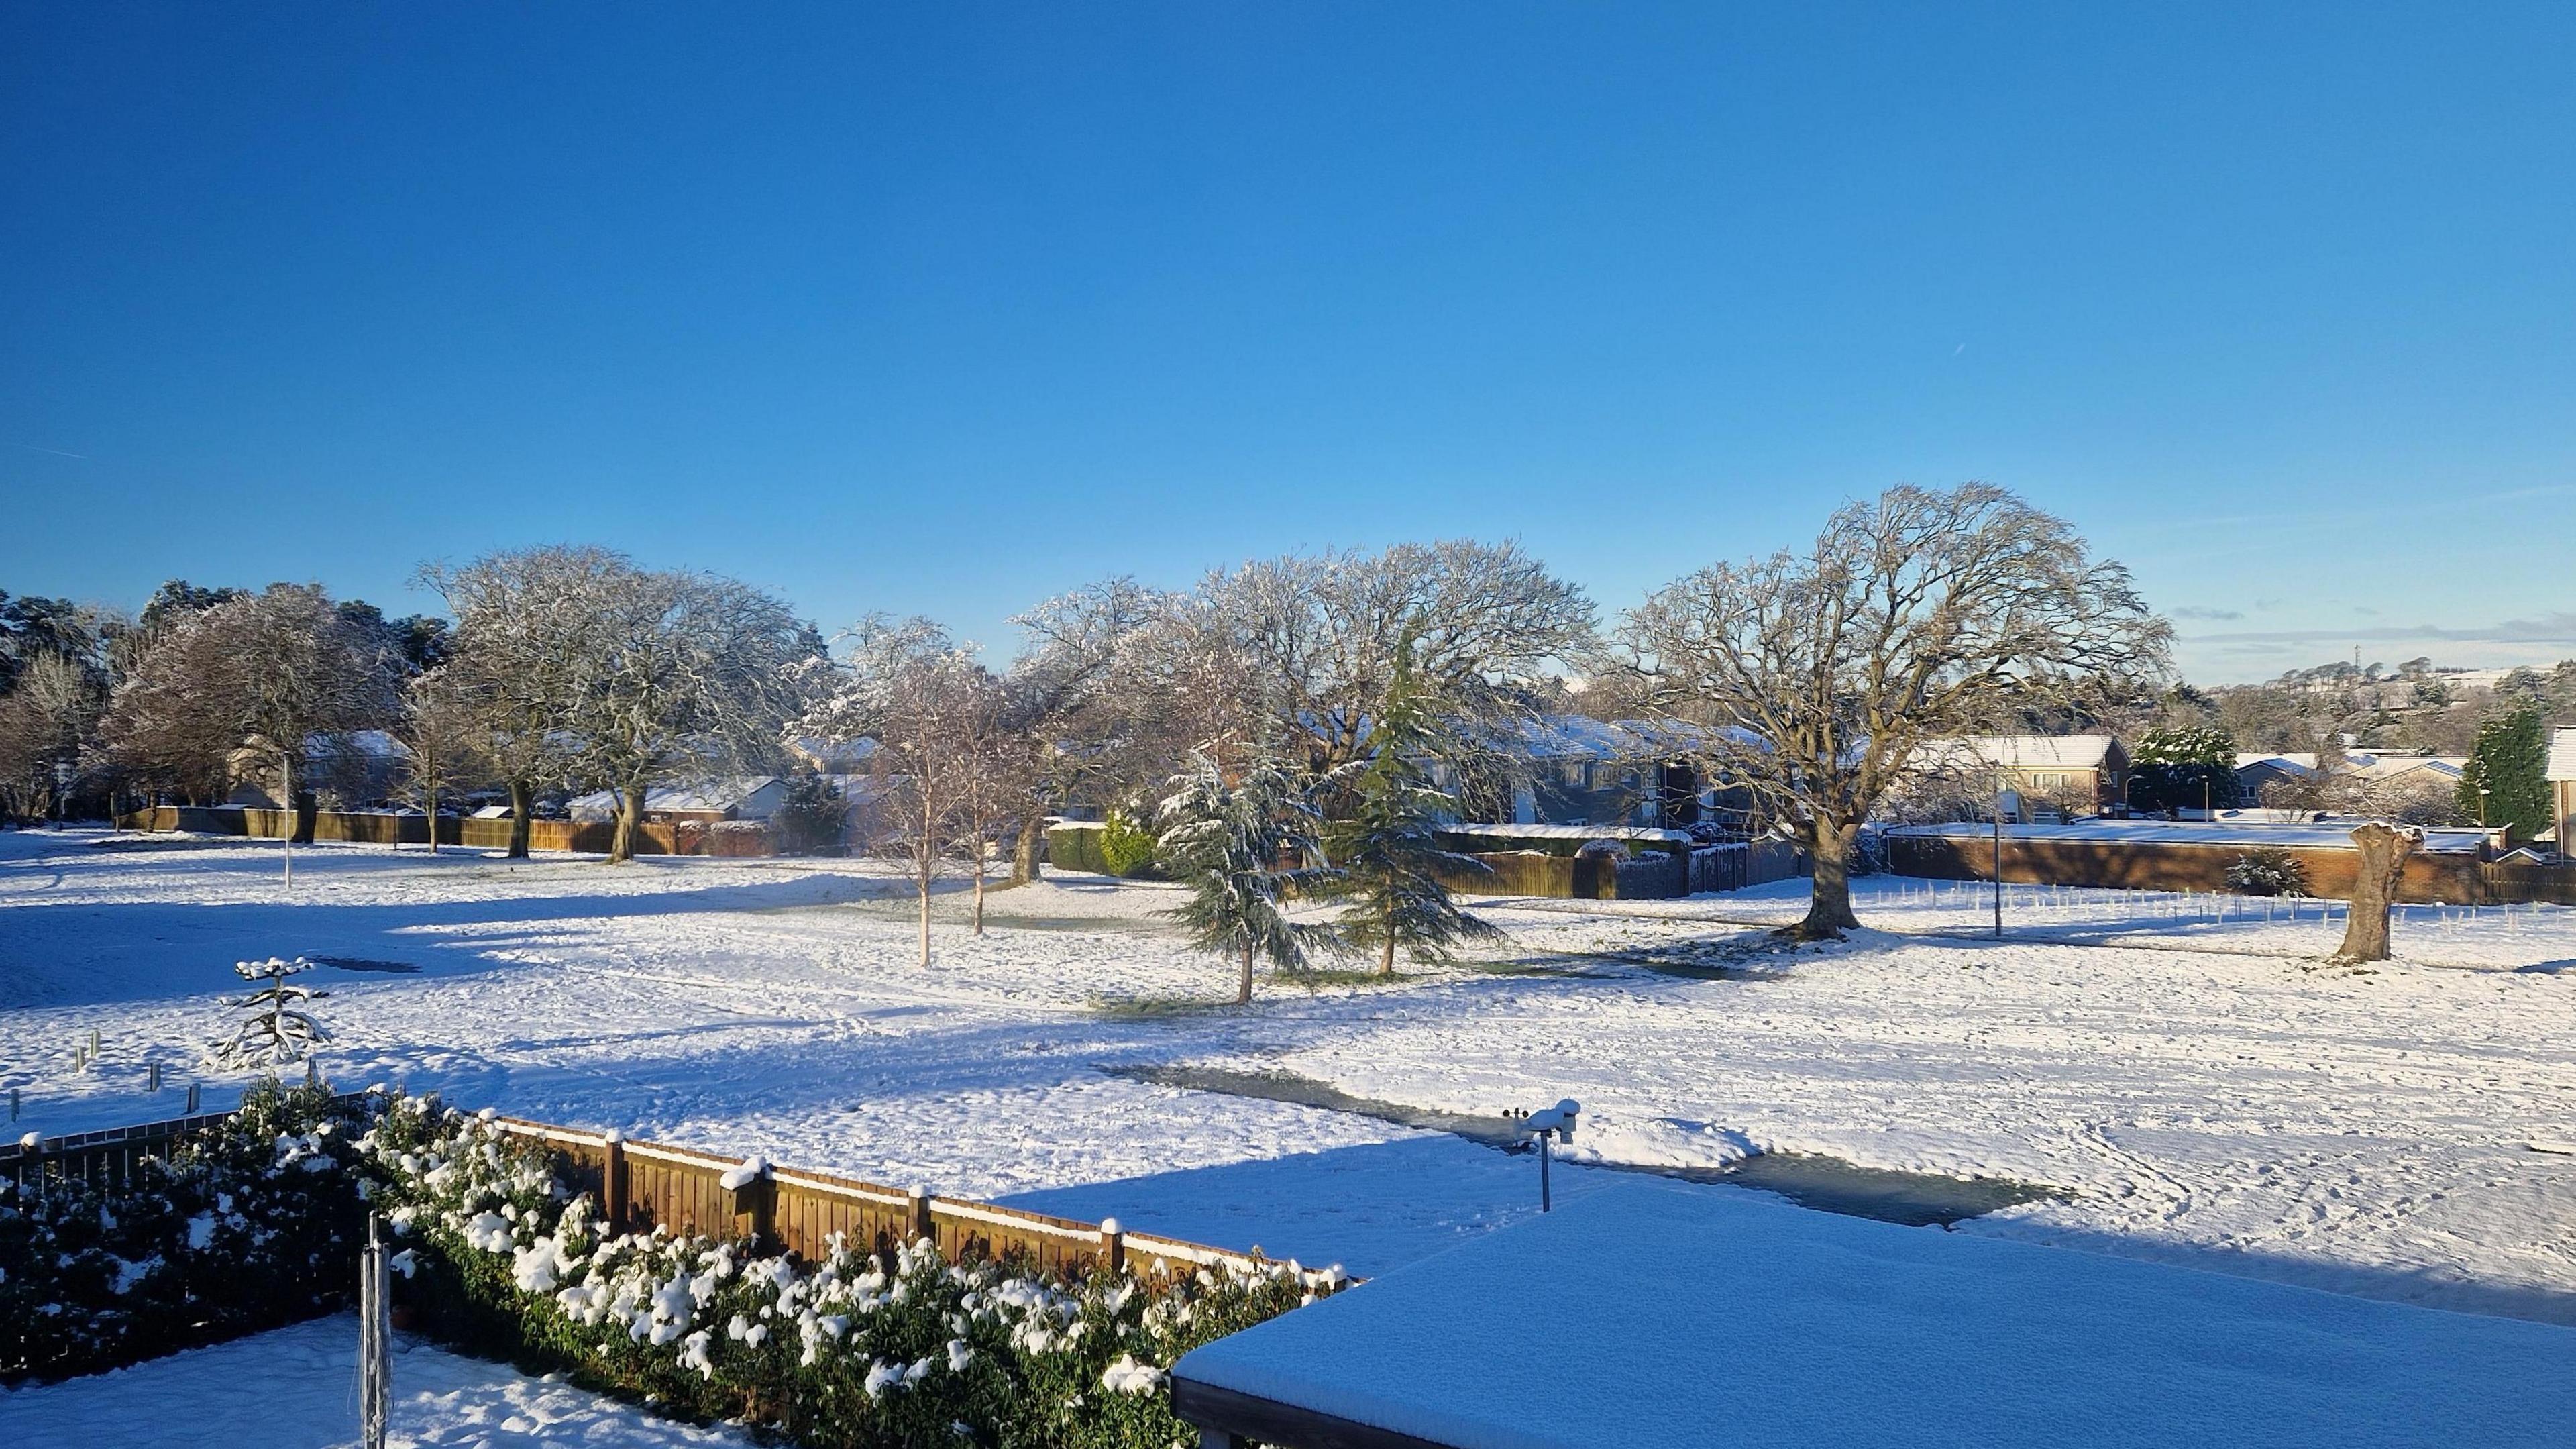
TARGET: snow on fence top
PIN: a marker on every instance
(1598, 1324)
(2326, 835)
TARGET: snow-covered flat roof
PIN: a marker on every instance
(2019, 752)
(1571, 832)
(2251, 832)
(1658, 1315)
(2562, 754)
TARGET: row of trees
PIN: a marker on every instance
(1369, 686)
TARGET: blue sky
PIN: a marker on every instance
(944, 308)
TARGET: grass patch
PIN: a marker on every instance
(1154, 1008)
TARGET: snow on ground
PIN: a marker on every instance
(297, 1388)
(2200, 1092)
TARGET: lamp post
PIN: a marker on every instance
(2482, 807)
(1999, 865)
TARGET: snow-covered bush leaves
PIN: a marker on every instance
(253, 1225)
(861, 1349)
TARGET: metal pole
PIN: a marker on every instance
(1999, 865)
(1542, 1172)
(375, 1366)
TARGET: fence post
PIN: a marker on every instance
(1113, 1245)
(612, 1181)
(921, 1214)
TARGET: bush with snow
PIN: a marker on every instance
(2267, 871)
(861, 1349)
(253, 1225)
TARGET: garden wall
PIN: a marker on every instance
(2446, 878)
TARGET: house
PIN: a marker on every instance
(339, 772)
(743, 797)
(2562, 787)
(2371, 781)
(1576, 770)
(2085, 773)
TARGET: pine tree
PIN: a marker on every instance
(2509, 768)
(1226, 841)
(1387, 860)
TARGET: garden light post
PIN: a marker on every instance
(1999, 865)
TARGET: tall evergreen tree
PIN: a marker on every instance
(1227, 841)
(2182, 766)
(1387, 861)
(2509, 767)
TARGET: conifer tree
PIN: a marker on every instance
(1387, 861)
(1228, 842)
(2509, 765)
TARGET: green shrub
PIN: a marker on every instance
(253, 1225)
(1126, 847)
(860, 1349)
(2267, 871)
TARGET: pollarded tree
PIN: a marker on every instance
(1230, 842)
(674, 675)
(1816, 676)
(1387, 858)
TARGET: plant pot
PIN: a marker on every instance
(406, 1319)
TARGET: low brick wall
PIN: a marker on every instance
(2429, 879)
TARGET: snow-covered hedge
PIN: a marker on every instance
(253, 1225)
(856, 1350)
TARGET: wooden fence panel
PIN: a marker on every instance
(2553, 884)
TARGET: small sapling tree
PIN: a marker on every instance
(1229, 842)
(276, 1030)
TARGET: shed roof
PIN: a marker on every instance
(1599, 1324)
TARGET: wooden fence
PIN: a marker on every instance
(740, 838)
(643, 1185)
(2451, 878)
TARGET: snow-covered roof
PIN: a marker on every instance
(2370, 765)
(1576, 736)
(833, 755)
(1571, 832)
(714, 796)
(2562, 754)
(2015, 752)
(1595, 1324)
(2244, 831)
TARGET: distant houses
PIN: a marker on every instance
(1576, 770)
(742, 797)
(2073, 774)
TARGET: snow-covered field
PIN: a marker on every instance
(2200, 1092)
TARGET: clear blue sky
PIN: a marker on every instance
(943, 308)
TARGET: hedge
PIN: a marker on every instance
(861, 1349)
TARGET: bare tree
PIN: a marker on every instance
(440, 737)
(1815, 677)
(267, 676)
(47, 721)
(934, 712)
(1320, 637)
(677, 674)
(1058, 699)
(519, 617)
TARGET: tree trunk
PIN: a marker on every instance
(1386, 944)
(286, 782)
(2384, 849)
(1243, 988)
(1829, 907)
(926, 859)
(979, 884)
(520, 803)
(630, 819)
(1025, 866)
(429, 797)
